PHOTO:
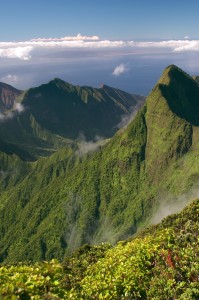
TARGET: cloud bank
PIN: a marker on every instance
(25, 50)
(90, 60)
(22, 52)
(79, 37)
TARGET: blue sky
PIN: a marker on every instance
(112, 19)
(122, 43)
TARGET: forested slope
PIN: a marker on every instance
(69, 199)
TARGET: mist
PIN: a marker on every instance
(174, 204)
(85, 146)
(106, 234)
(17, 109)
(72, 207)
(75, 234)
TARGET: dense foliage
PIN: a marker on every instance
(54, 113)
(54, 205)
(161, 263)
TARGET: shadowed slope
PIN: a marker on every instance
(110, 194)
(69, 110)
(57, 112)
(8, 95)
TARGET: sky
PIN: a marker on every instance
(122, 43)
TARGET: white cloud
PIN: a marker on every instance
(174, 45)
(18, 107)
(26, 50)
(22, 52)
(89, 146)
(119, 70)
(189, 46)
(10, 78)
(79, 37)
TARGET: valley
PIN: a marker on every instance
(79, 190)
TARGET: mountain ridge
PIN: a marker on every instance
(106, 195)
(172, 77)
(87, 106)
(57, 113)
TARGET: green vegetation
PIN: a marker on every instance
(56, 113)
(160, 263)
(58, 196)
(68, 110)
(61, 202)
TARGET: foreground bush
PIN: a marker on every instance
(161, 263)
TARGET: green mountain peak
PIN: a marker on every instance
(57, 112)
(171, 72)
(180, 92)
(57, 80)
(60, 84)
(67, 199)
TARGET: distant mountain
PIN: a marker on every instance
(69, 110)
(61, 202)
(8, 95)
(57, 112)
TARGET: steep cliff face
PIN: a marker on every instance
(172, 119)
(69, 199)
(8, 95)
